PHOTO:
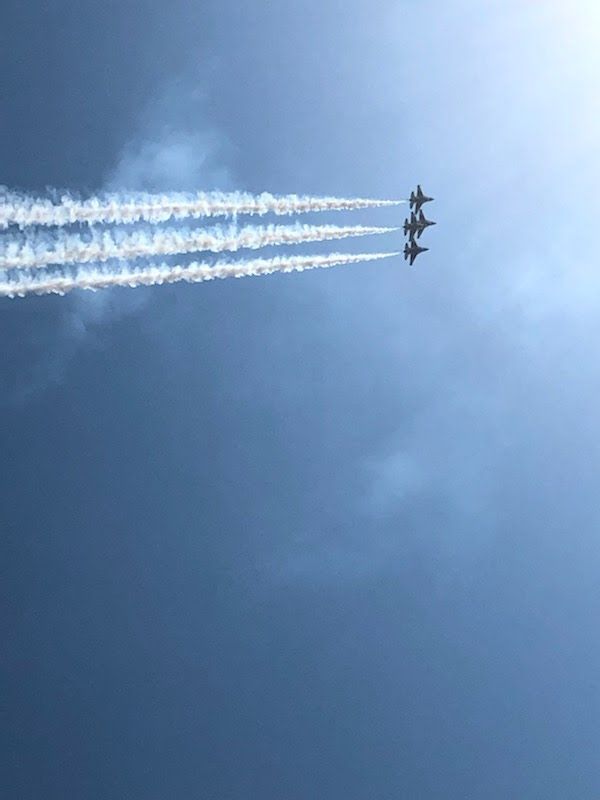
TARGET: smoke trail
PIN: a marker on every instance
(105, 245)
(196, 272)
(25, 211)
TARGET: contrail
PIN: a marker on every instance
(24, 211)
(196, 272)
(110, 244)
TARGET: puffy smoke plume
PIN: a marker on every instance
(126, 208)
(109, 244)
(94, 279)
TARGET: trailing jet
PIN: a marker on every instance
(416, 226)
(413, 250)
(418, 198)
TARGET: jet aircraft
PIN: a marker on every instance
(413, 250)
(418, 198)
(416, 226)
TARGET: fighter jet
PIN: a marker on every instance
(413, 250)
(418, 198)
(416, 226)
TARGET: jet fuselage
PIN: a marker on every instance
(417, 198)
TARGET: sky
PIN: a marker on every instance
(322, 535)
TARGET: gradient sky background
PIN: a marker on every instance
(330, 535)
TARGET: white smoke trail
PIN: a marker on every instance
(24, 211)
(109, 244)
(94, 279)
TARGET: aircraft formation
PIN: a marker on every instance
(416, 225)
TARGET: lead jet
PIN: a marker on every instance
(418, 198)
(416, 226)
(413, 250)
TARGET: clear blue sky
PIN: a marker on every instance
(329, 535)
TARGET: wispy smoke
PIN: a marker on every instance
(121, 209)
(196, 272)
(173, 147)
(109, 244)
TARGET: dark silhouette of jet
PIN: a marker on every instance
(418, 198)
(413, 250)
(416, 226)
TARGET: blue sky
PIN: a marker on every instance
(332, 534)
